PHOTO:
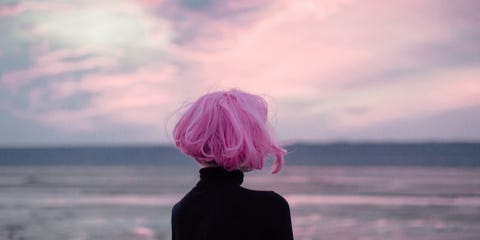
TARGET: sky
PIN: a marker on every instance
(117, 71)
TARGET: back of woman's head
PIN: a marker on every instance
(230, 129)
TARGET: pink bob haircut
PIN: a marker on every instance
(228, 128)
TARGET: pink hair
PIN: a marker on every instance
(229, 128)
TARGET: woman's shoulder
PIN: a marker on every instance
(270, 197)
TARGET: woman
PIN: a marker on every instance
(227, 132)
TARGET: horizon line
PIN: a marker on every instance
(164, 144)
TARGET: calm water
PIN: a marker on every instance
(116, 203)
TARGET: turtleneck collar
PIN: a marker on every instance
(220, 175)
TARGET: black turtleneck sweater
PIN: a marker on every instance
(219, 208)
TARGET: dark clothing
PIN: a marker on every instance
(219, 208)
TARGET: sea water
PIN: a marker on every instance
(334, 203)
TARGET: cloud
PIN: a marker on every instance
(195, 21)
(89, 70)
(140, 98)
(425, 95)
(328, 60)
(11, 10)
(328, 67)
(54, 63)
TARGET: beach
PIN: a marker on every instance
(125, 202)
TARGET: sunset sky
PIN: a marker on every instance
(116, 71)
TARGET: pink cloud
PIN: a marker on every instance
(424, 95)
(139, 98)
(314, 52)
(292, 45)
(18, 8)
(54, 63)
(317, 59)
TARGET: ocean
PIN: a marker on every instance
(101, 201)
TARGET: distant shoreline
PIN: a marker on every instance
(324, 154)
